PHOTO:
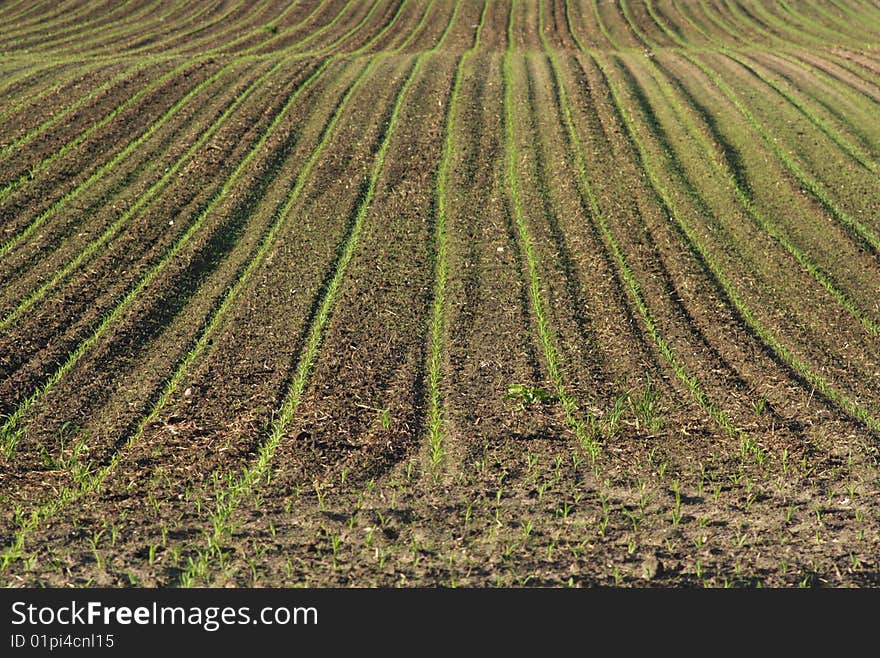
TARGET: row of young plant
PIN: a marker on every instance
(76, 28)
(10, 429)
(438, 329)
(633, 289)
(734, 50)
(34, 170)
(722, 158)
(868, 322)
(48, 29)
(819, 190)
(152, 193)
(238, 177)
(11, 422)
(701, 24)
(771, 342)
(17, 179)
(325, 309)
(106, 171)
(31, 88)
(94, 481)
(205, 560)
(39, 13)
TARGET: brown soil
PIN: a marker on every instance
(258, 408)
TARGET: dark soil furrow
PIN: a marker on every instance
(206, 338)
(848, 113)
(46, 19)
(120, 174)
(158, 19)
(51, 171)
(672, 327)
(341, 12)
(241, 428)
(80, 29)
(439, 293)
(41, 92)
(785, 356)
(143, 275)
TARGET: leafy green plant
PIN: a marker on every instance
(529, 395)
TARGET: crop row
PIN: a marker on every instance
(187, 283)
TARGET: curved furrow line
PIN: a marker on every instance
(437, 323)
(62, 113)
(94, 247)
(546, 334)
(858, 72)
(193, 41)
(93, 483)
(388, 25)
(308, 38)
(676, 35)
(201, 26)
(727, 231)
(721, 25)
(339, 53)
(848, 116)
(9, 430)
(805, 21)
(581, 21)
(323, 50)
(379, 35)
(611, 15)
(588, 300)
(161, 18)
(10, 8)
(710, 38)
(771, 342)
(571, 30)
(845, 145)
(844, 17)
(740, 16)
(227, 501)
(691, 382)
(570, 27)
(33, 99)
(46, 19)
(28, 69)
(269, 28)
(43, 42)
(863, 18)
(97, 175)
(415, 31)
(859, 232)
(602, 27)
(714, 144)
(862, 30)
(786, 32)
(668, 31)
(143, 201)
(16, 183)
(631, 25)
(863, 7)
(319, 6)
(633, 11)
(145, 41)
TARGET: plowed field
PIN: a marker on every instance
(445, 293)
